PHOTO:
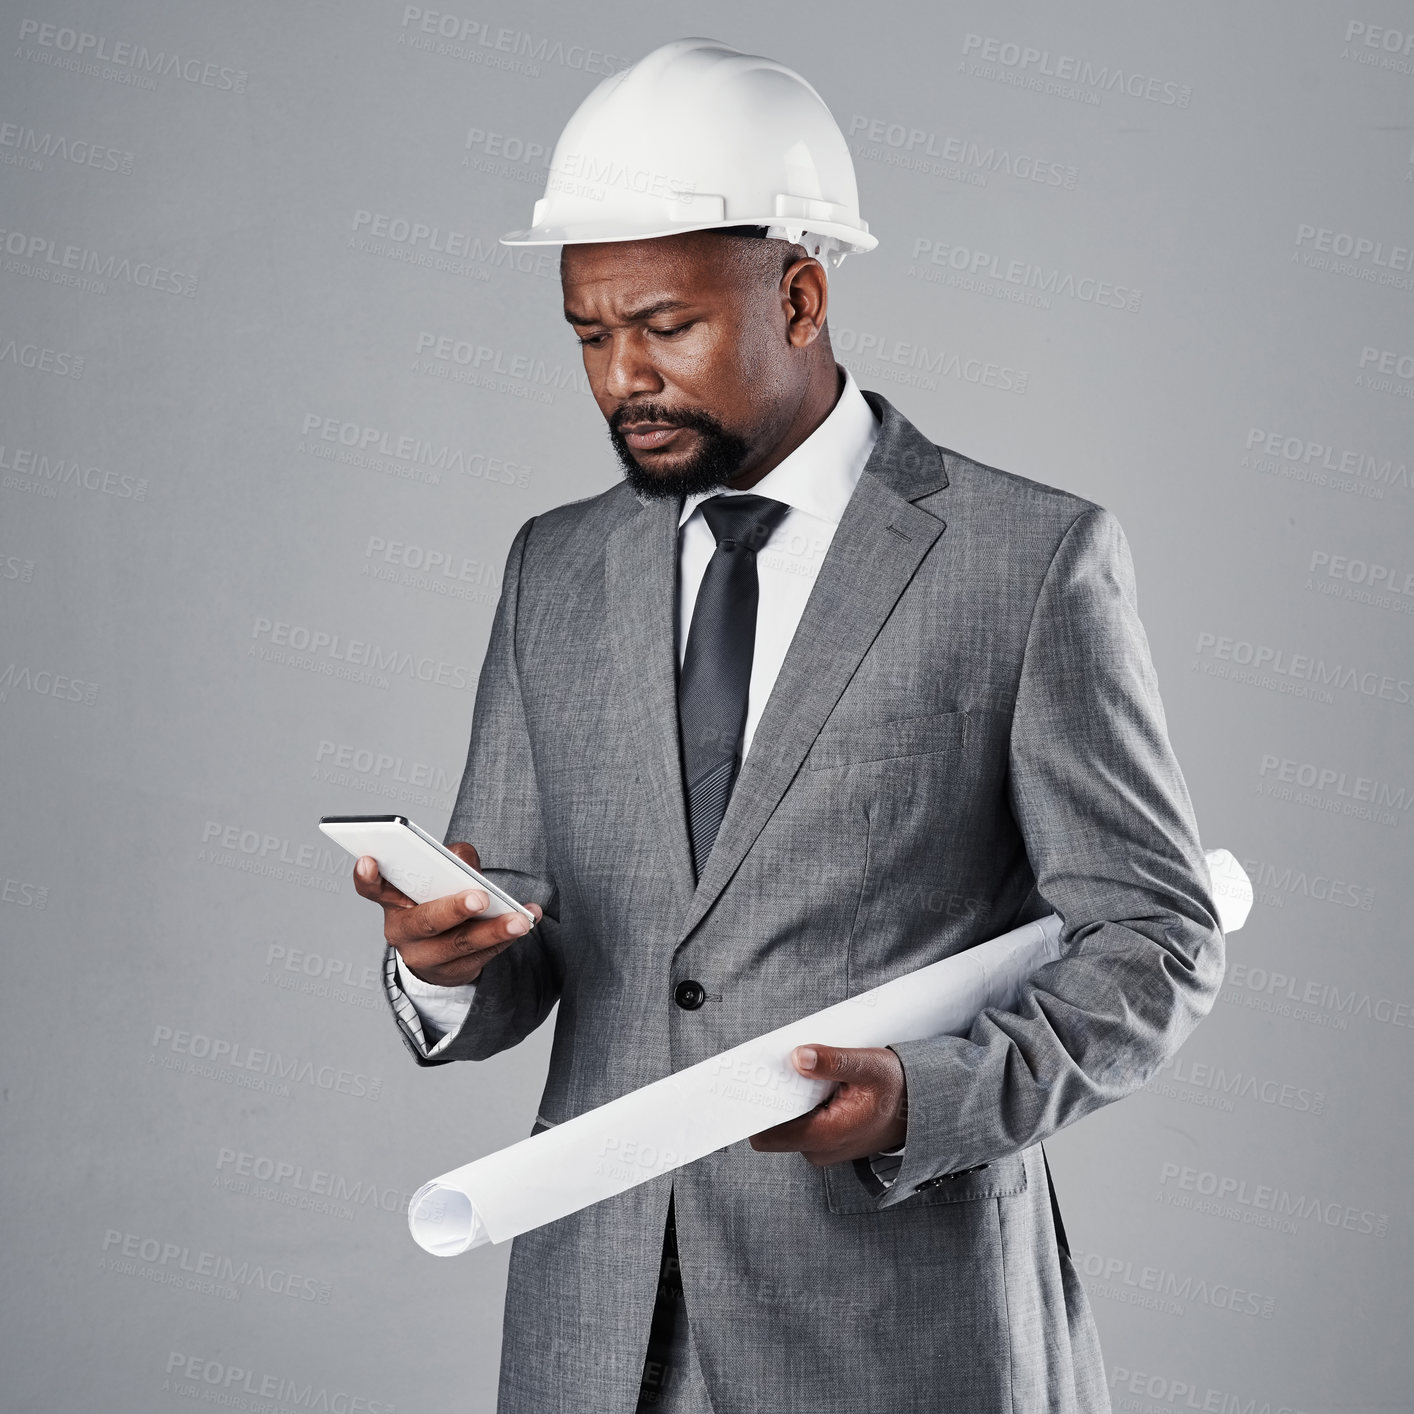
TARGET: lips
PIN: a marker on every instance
(648, 436)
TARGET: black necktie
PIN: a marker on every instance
(716, 668)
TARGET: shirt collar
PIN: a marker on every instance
(820, 475)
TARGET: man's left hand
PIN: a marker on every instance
(866, 1112)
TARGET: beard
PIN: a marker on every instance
(720, 455)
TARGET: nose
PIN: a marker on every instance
(628, 370)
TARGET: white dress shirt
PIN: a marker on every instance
(816, 481)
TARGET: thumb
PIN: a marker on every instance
(824, 1062)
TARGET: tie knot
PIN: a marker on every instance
(744, 520)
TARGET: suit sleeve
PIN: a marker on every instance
(498, 811)
(1112, 840)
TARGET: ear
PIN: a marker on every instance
(805, 297)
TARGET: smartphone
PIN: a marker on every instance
(411, 860)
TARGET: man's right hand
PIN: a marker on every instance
(441, 942)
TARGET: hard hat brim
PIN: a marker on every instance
(592, 233)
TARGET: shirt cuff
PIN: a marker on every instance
(440, 1009)
(886, 1164)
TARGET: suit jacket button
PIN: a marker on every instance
(948, 1177)
(689, 995)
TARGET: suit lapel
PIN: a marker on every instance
(881, 539)
(640, 560)
(879, 543)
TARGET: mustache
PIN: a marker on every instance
(669, 417)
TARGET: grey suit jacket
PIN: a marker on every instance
(966, 733)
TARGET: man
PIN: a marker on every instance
(804, 704)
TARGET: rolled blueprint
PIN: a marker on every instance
(739, 1092)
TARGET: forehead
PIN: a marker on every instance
(632, 274)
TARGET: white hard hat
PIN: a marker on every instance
(697, 136)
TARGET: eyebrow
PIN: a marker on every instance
(661, 306)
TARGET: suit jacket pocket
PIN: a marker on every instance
(852, 743)
(847, 1190)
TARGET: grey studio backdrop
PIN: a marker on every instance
(274, 403)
